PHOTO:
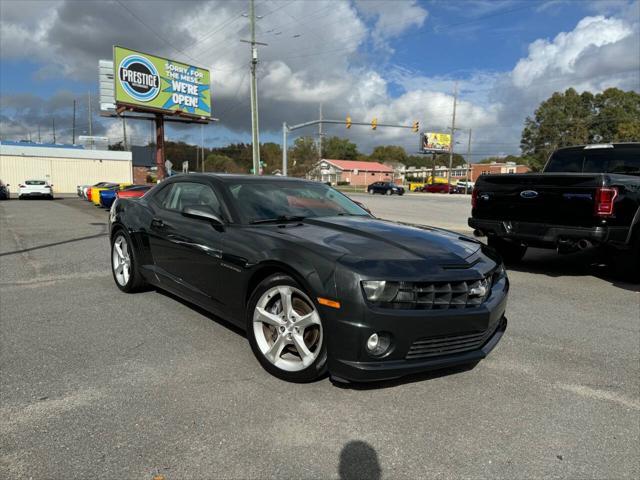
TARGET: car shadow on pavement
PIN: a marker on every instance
(202, 311)
(578, 264)
(54, 244)
(359, 461)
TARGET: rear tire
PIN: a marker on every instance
(627, 263)
(511, 252)
(370, 191)
(285, 330)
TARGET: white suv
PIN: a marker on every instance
(35, 188)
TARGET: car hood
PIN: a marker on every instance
(371, 239)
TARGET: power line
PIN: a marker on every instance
(157, 35)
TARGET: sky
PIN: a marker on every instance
(396, 60)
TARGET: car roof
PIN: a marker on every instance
(602, 145)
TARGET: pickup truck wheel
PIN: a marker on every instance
(627, 263)
(511, 252)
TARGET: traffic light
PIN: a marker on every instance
(416, 127)
(348, 122)
(374, 123)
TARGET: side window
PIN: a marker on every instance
(190, 194)
(161, 195)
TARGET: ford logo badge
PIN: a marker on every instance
(529, 194)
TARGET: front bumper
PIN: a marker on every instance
(348, 360)
(548, 236)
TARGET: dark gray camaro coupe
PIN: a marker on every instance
(316, 281)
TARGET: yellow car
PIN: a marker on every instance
(95, 192)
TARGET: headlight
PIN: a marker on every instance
(499, 273)
(380, 290)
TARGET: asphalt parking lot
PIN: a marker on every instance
(95, 382)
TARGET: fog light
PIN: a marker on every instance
(373, 342)
(378, 344)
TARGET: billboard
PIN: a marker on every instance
(160, 85)
(433, 142)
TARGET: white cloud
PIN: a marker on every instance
(560, 56)
(392, 17)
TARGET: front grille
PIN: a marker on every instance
(440, 295)
(447, 345)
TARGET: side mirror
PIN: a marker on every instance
(203, 214)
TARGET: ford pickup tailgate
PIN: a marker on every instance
(547, 198)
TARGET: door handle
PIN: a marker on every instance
(157, 222)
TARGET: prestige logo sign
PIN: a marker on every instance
(139, 78)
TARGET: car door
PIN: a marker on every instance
(377, 187)
(187, 251)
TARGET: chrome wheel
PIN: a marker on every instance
(120, 261)
(287, 328)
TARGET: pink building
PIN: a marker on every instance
(354, 172)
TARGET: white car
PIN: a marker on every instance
(35, 188)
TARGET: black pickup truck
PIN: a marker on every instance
(586, 196)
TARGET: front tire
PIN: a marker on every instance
(124, 265)
(285, 330)
(389, 192)
(511, 252)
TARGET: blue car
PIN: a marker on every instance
(107, 197)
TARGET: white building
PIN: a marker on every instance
(64, 168)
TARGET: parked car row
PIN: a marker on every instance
(4, 191)
(103, 194)
(460, 187)
(28, 189)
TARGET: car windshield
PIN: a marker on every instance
(623, 159)
(272, 200)
(35, 182)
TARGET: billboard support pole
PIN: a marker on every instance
(160, 154)
(453, 132)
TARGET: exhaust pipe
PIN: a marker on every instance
(583, 244)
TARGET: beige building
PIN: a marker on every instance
(64, 168)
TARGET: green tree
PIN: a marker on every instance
(302, 156)
(337, 148)
(271, 156)
(214, 162)
(570, 118)
(389, 153)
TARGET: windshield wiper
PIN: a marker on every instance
(279, 219)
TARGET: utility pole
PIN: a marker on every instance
(285, 130)
(53, 121)
(124, 133)
(320, 135)
(73, 125)
(39, 141)
(255, 138)
(453, 131)
(90, 124)
(466, 184)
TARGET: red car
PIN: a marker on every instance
(134, 191)
(437, 188)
